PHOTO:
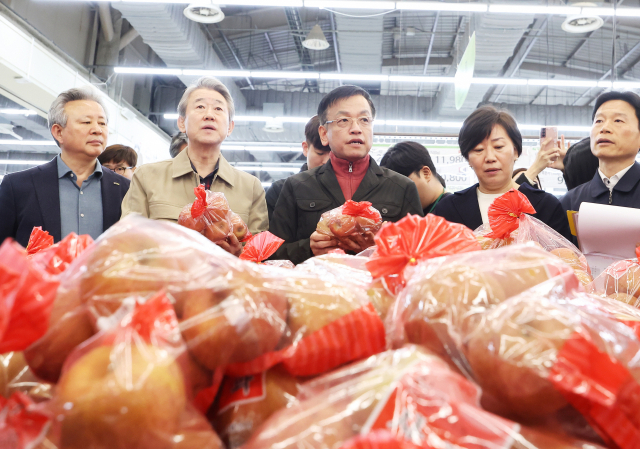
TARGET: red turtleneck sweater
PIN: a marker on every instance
(349, 174)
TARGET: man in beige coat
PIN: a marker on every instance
(160, 190)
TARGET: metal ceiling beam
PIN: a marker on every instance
(335, 43)
(519, 57)
(603, 77)
(273, 51)
(395, 62)
(295, 24)
(426, 60)
(235, 55)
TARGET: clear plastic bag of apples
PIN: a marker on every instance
(350, 219)
(510, 223)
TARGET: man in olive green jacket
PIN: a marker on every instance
(160, 190)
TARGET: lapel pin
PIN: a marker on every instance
(117, 183)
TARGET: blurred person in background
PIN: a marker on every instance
(316, 153)
(160, 190)
(614, 140)
(491, 141)
(72, 193)
(120, 159)
(178, 143)
(548, 156)
(413, 160)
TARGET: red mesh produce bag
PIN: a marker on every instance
(620, 281)
(22, 424)
(447, 294)
(38, 240)
(209, 215)
(410, 394)
(127, 387)
(509, 224)
(26, 298)
(260, 247)
(349, 219)
(413, 239)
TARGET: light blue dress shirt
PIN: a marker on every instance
(80, 207)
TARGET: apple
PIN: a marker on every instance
(217, 231)
(185, 219)
(238, 226)
(623, 277)
(121, 398)
(342, 225)
(236, 421)
(623, 297)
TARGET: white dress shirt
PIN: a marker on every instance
(611, 182)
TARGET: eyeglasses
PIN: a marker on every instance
(347, 122)
(119, 170)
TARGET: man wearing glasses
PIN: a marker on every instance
(346, 126)
(120, 159)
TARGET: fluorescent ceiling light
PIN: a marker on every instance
(147, 71)
(28, 142)
(17, 111)
(438, 6)
(289, 75)
(420, 79)
(502, 81)
(535, 9)
(18, 162)
(276, 168)
(626, 85)
(293, 119)
(266, 184)
(575, 128)
(450, 124)
(171, 116)
(563, 83)
(349, 4)
(628, 12)
(355, 76)
(412, 123)
(529, 127)
(230, 73)
(295, 3)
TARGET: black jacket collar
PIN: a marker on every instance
(45, 180)
(626, 184)
(468, 207)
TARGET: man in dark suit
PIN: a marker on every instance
(615, 140)
(73, 192)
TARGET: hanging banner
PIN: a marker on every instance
(464, 74)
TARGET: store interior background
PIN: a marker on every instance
(48, 46)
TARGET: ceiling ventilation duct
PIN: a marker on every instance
(204, 12)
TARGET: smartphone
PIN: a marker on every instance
(548, 131)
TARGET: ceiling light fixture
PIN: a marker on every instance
(17, 111)
(204, 11)
(316, 40)
(20, 162)
(28, 142)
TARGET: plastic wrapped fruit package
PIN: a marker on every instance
(23, 425)
(27, 293)
(509, 224)
(126, 388)
(244, 403)
(38, 240)
(344, 268)
(401, 245)
(410, 394)
(239, 228)
(15, 375)
(350, 219)
(209, 215)
(540, 351)
(328, 323)
(262, 246)
(620, 281)
(135, 256)
(446, 295)
(55, 259)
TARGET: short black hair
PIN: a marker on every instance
(629, 97)
(119, 153)
(407, 158)
(340, 93)
(177, 141)
(312, 136)
(480, 123)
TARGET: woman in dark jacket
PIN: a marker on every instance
(490, 140)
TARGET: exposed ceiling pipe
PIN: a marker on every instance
(128, 37)
(106, 21)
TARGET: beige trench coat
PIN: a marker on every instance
(161, 189)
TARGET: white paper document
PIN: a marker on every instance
(607, 233)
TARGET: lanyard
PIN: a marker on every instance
(436, 203)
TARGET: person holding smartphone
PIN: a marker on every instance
(490, 140)
(548, 156)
